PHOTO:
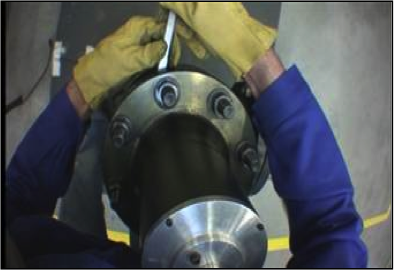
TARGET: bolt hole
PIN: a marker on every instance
(169, 222)
(195, 258)
(260, 227)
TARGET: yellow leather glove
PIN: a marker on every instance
(135, 46)
(227, 30)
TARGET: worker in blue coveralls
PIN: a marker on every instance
(307, 167)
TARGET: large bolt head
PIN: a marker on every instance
(120, 131)
(166, 94)
(226, 108)
(223, 106)
(119, 137)
(251, 159)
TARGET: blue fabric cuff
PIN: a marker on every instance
(280, 100)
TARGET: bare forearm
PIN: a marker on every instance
(77, 100)
(264, 72)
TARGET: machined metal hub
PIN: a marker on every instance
(202, 234)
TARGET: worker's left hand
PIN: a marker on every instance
(134, 47)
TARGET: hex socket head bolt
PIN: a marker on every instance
(166, 94)
(121, 131)
(222, 105)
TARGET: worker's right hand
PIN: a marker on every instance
(227, 30)
(134, 47)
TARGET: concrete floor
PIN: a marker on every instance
(343, 49)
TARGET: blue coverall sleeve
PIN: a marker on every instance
(310, 175)
(40, 170)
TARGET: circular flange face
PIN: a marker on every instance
(215, 233)
(194, 93)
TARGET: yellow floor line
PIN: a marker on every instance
(282, 243)
(119, 236)
(375, 220)
(276, 243)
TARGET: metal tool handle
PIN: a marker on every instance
(168, 38)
